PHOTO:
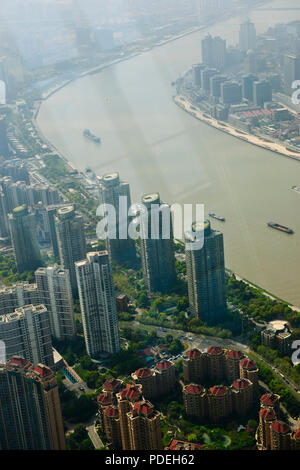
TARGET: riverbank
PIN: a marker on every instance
(123, 58)
(144, 49)
(184, 104)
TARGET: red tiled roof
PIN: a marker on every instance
(218, 390)
(143, 408)
(241, 384)
(267, 414)
(248, 364)
(163, 365)
(183, 445)
(18, 361)
(233, 354)
(280, 427)
(42, 370)
(194, 353)
(142, 373)
(111, 385)
(104, 398)
(214, 350)
(112, 411)
(269, 399)
(131, 392)
(194, 389)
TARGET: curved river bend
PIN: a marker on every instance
(155, 146)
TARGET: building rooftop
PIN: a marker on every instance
(112, 385)
(233, 354)
(194, 389)
(144, 372)
(18, 361)
(152, 198)
(143, 408)
(43, 371)
(112, 411)
(214, 350)
(105, 398)
(131, 392)
(248, 364)
(269, 399)
(280, 427)
(278, 325)
(163, 365)
(267, 414)
(194, 353)
(218, 390)
(241, 384)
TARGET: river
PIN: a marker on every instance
(156, 146)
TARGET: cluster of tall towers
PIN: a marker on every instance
(205, 266)
(44, 310)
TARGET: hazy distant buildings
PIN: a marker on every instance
(231, 92)
(30, 411)
(26, 332)
(206, 274)
(4, 226)
(4, 150)
(215, 85)
(197, 68)
(247, 36)
(206, 75)
(71, 240)
(291, 70)
(121, 248)
(214, 52)
(104, 38)
(24, 239)
(51, 214)
(54, 291)
(19, 193)
(157, 252)
(247, 86)
(262, 92)
(98, 304)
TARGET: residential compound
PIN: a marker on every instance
(273, 433)
(129, 421)
(156, 382)
(218, 402)
(218, 364)
(30, 417)
(98, 304)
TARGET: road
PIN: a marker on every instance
(193, 340)
(93, 435)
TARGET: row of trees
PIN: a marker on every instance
(253, 302)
